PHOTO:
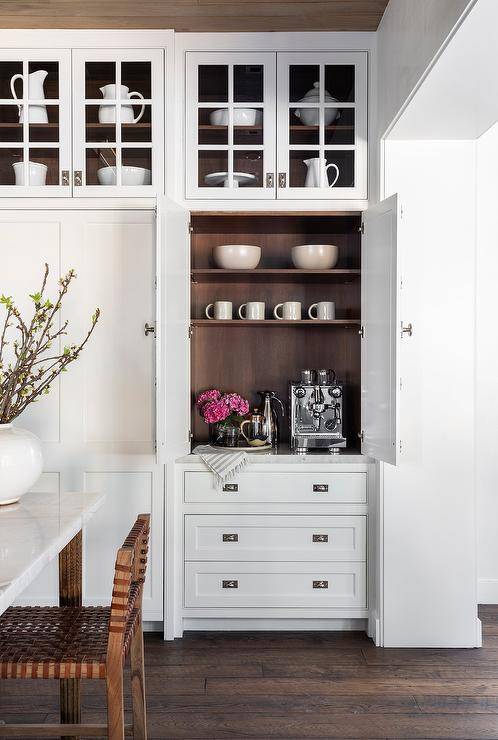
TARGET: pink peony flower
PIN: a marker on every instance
(205, 396)
(236, 403)
(214, 411)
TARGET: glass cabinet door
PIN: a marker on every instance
(35, 116)
(118, 122)
(230, 146)
(322, 125)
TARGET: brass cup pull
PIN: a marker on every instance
(230, 538)
(320, 584)
(320, 488)
(230, 584)
(231, 487)
(320, 538)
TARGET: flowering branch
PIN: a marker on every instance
(30, 373)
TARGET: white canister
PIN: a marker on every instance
(37, 173)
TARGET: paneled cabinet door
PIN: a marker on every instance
(230, 146)
(118, 122)
(381, 330)
(35, 121)
(322, 125)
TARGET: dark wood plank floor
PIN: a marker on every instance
(298, 685)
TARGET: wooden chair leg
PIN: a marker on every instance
(138, 685)
(115, 702)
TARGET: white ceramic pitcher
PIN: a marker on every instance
(315, 166)
(37, 113)
(107, 113)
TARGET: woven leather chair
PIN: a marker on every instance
(85, 642)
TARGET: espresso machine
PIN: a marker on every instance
(316, 406)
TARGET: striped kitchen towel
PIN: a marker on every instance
(224, 465)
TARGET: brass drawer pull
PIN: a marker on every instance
(231, 487)
(230, 538)
(320, 584)
(320, 538)
(320, 488)
(230, 584)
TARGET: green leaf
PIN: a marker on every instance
(36, 297)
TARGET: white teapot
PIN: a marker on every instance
(311, 116)
(37, 113)
(107, 113)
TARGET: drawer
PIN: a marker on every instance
(307, 585)
(274, 538)
(322, 488)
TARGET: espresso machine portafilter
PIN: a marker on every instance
(316, 405)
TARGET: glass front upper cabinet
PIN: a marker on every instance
(231, 115)
(35, 120)
(322, 125)
(118, 122)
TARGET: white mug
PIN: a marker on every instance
(255, 311)
(325, 311)
(222, 310)
(291, 311)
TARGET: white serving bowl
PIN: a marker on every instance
(311, 116)
(315, 256)
(129, 175)
(241, 117)
(237, 256)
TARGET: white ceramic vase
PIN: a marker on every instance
(21, 462)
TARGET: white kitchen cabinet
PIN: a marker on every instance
(231, 108)
(95, 122)
(35, 122)
(276, 125)
(97, 426)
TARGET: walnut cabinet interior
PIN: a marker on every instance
(247, 356)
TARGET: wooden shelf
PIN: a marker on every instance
(346, 323)
(123, 125)
(262, 275)
(298, 127)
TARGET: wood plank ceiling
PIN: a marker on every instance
(195, 15)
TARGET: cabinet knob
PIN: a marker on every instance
(320, 584)
(231, 487)
(148, 329)
(408, 329)
(230, 584)
(320, 538)
(282, 179)
(230, 538)
(320, 488)
(78, 178)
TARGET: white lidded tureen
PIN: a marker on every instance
(311, 116)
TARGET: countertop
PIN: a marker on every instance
(283, 456)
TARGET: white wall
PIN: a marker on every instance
(429, 572)
(410, 34)
(486, 397)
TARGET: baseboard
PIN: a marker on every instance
(267, 625)
(487, 591)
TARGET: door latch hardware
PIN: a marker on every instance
(361, 332)
(362, 228)
(320, 584)
(78, 178)
(148, 329)
(269, 179)
(361, 436)
(320, 538)
(231, 487)
(320, 488)
(230, 538)
(408, 329)
(65, 177)
(282, 179)
(230, 584)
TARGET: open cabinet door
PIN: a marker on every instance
(173, 366)
(380, 331)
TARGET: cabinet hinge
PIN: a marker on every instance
(361, 332)
(190, 228)
(400, 383)
(190, 331)
(362, 228)
(190, 436)
(400, 446)
(361, 436)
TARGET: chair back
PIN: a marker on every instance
(129, 575)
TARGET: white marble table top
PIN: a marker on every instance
(34, 531)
